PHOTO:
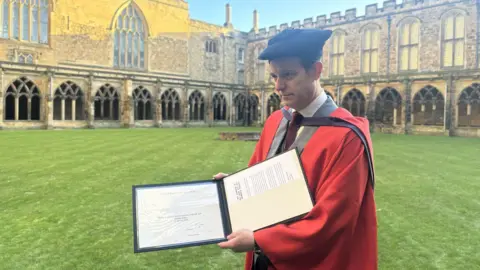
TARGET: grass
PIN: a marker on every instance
(66, 197)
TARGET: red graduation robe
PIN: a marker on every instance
(341, 230)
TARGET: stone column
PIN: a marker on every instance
(49, 103)
(231, 108)
(371, 106)
(262, 107)
(408, 106)
(185, 107)
(127, 110)
(157, 104)
(2, 100)
(209, 106)
(90, 104)
(450, 110)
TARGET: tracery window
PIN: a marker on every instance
(239, 102)
(388, 107)
(273, 103)
(68, 102)
(354, 101)
(170, 105)
(196, 103)
(219, 107)
(107, 103)
(469, 107)
(25, 20)
(143, 105)
(428, 107)
(22, 100)
(129, 40)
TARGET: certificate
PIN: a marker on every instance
(201, 212)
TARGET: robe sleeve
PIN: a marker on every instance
(338, 197)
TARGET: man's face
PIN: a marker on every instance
(294, 84)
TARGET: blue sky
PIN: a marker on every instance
(272, 12)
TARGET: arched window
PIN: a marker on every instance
(22, 100)
(197, 106)
(354, 101)
(408, 39)
(107, 103)
(469, 106)
(68, 102)
(388, 107)
(211, 46)
(143, 105)
(25, 20)
(239, 102)
(219, 107)
(338, 54)
(273, 103)
(253, 102)
(453, 39)
(129, 43)
(370, 45)
(428, 107)
(170, 105)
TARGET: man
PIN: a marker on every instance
(341, 230)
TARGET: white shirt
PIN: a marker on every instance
(310, 110)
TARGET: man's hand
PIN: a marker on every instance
(219, 176)
(239, 241)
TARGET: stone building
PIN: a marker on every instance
(411, 67)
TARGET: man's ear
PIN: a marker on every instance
(318, 70)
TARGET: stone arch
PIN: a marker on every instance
(123, 7)
(130, 30)
(69, 102)
(22, 100)
(354, 101)
(239, 103)
(219, 102)
(107, 103)
(428, 107)
(171, 105)
(196, 103)
(143, 103)
(408, 19)
(273, 103)
(468, 106)
(388, 107)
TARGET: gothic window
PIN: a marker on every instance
(337, 54)
(143, 105)
(453, 39)
(25, 58)
(469, 107)
(170, 105)
(239, 102)
(197, 106)
(253, 107)
(408, 44)
(25, 20)
(68, 102)
(219, 107)
(211, 46)
(370, 40)
(354, 101)
(428, 107)
(388, 107)
(107, 103)
(129, 39)
(273, 103)
(22, 100)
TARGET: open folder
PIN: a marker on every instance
(176, 215)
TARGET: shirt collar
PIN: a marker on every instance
(313, 107)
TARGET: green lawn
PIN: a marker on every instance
(66, 197)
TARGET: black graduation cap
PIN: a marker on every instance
(306, 44)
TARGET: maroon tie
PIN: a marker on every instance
(292, 129)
